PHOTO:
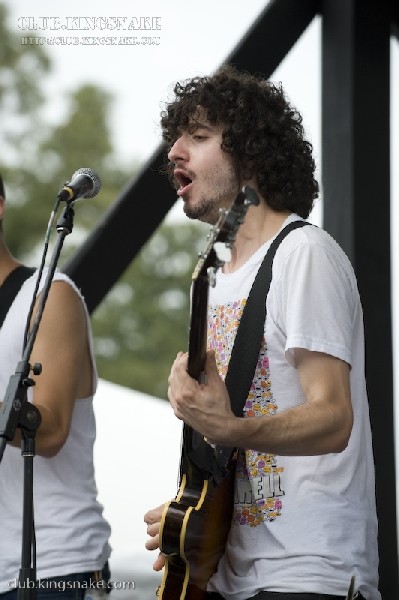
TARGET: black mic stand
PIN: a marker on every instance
(18, 412)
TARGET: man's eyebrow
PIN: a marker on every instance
(194, 125)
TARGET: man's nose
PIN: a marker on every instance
(178, 151)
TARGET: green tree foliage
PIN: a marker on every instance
(21, 98)
(21, 68)
(144, 321)
(82, 140)
(38, 158)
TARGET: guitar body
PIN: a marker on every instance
(195, 525)
(194, 535)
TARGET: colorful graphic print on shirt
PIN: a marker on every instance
(258, 488)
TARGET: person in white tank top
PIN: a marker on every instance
(304, 519)
(72, 535)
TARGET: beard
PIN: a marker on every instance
(223, 189)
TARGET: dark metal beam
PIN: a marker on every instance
(395, 17)
(273, 35)
(356, 180)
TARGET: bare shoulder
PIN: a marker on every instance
(64, 307)
(62, 288)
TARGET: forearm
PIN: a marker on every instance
(320, 423)
(304, 430)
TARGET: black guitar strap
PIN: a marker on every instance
(244, 355)
(247, 343)
(10, 288)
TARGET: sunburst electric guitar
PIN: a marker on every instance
(195, 525)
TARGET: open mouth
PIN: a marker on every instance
(182, 181)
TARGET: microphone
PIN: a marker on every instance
(85, 183)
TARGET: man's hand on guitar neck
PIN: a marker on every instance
(203, 406)
(153, 519)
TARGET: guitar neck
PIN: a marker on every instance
(217, 252)
(197, 342)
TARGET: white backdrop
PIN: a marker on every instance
(136, 456)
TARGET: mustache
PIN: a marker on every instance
(168, 170)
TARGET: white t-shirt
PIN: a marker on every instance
(300, 523)
(71, 532)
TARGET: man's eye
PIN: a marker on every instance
(199, 137)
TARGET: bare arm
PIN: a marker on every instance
(320, 425)
(61, 347)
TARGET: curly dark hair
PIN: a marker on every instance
(262, 132)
